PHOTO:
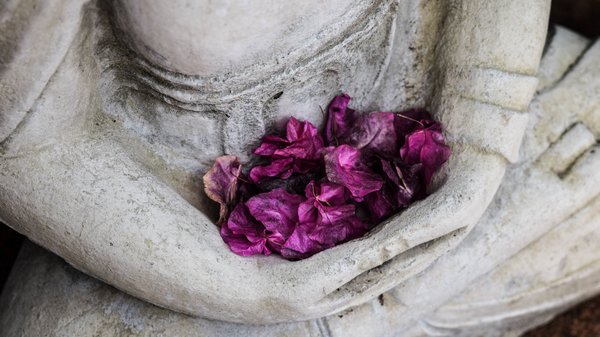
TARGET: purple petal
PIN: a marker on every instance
(276, 210)
(280, 168)
(221, 183)
(426, 146)
(306, 148)
(300, 130)
(344, 166)
(375, 132)
(300, 246)
(339, 232)
(302, 141)
(403, 181)
(326, 192)
(340, 119)
(308, 213)
(333, 214)
(243, 234)
(381, 204)
(408, 121)
(275, 241)
(269, 145)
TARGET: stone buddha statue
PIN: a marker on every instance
(111, 111)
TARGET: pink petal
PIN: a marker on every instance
(426, 146)
(340, 119)
(269, 145)
(243, 234)
(221, 183)
(300, 130)
(326, 192)
(344, 166)
(305, 148)
(302, 141)
(280, 168)
(381, 204)
(375, 132)
(300, 246)
(276, 210)
(408, 121)
(344, 230)
(308, 213)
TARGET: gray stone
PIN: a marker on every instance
(103, 168)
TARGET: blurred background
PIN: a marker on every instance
(582, 16)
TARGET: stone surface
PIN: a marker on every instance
(531, 255)
(103, 166)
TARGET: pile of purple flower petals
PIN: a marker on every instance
(308, 192)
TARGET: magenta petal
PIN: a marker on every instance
(426, 146)
(344, 166)
(344, 230)
(306, 148)
(280, 168)
(408, 121)
(243, 234)
(340, 119)
(308, 213)
(275, 241)
(302, 141)
(326, 192)
(240, 245)
(300, 246)
(299, 130)
(334, 214)
(276, 210)
(269, 145)
(375, 132)
(380, 205)
(221, 183)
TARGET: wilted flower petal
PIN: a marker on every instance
(426, 146)
(300, 152)
(343, 229)
(280, 168)
(302, 141)
(300, 245)
(221, 183)
(408, 121)
(381, 204)
(277, 210)
(375, 132)
(340, 120)
(344, 166)
(243, 234)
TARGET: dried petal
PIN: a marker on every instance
(221, 183)
(300, 245)
(380, 205)
(269, 145)
(243, 234)
(326, 192)
(375, 132)
(408, 121)
(426, 146)
(276, 210)
(340, 119)
(302, 141)
(343, 229)
(300, 130)
(344, 166)
(403, 181)
(280, 168)
(300, 152)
